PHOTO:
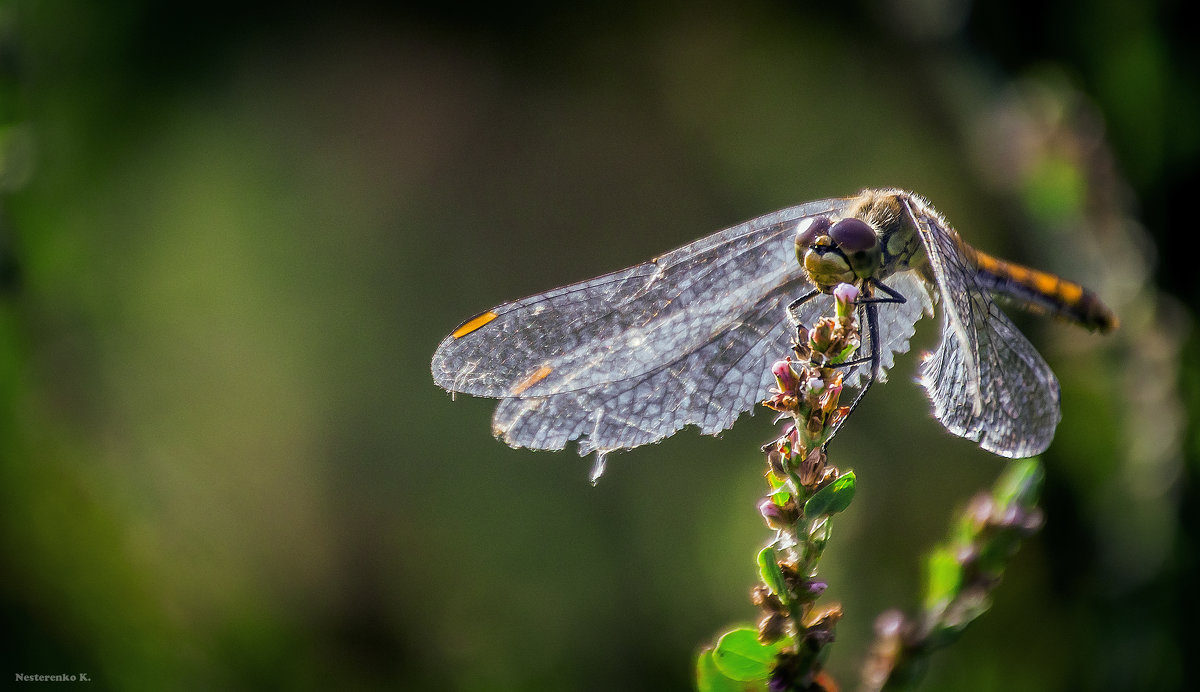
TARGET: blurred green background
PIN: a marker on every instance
(231, 237)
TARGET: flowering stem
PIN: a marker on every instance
(787, 649)
(804, 493)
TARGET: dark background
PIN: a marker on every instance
(231, 237)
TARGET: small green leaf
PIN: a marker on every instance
(709, 677)
(740, 656)
(833, 498)
(772, 576)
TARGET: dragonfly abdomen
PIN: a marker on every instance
(1042, 292)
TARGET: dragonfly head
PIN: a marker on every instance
(835, 253)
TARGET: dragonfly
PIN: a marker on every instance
(687, 338)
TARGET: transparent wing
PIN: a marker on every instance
(630, 322)
(709, 386)
(986, 381)
(897, 323)
(708, 383)
(633, 356)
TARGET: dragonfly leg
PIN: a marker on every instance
(893, 296)
(791, 308)
(868, 304)
(870, 308)
(873, 333)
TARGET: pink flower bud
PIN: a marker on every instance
(845, 293)
(785, 376)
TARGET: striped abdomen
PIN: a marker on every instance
(1039, 291)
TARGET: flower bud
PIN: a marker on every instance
(785, 377)
(778, 517)
(822, 337)
(812, 468)
(771, 628)
(845, 295)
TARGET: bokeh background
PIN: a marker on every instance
(231, 237)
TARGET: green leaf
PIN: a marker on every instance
(709, 677)
(740, 656)
(772, 576)
(845, 354)
(833, 498)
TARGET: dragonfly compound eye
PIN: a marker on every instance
(809, 230)
(853, 235)
(807, 233)
(858, 243)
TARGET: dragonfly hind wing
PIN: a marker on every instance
(986, 381)
(1011, 408)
